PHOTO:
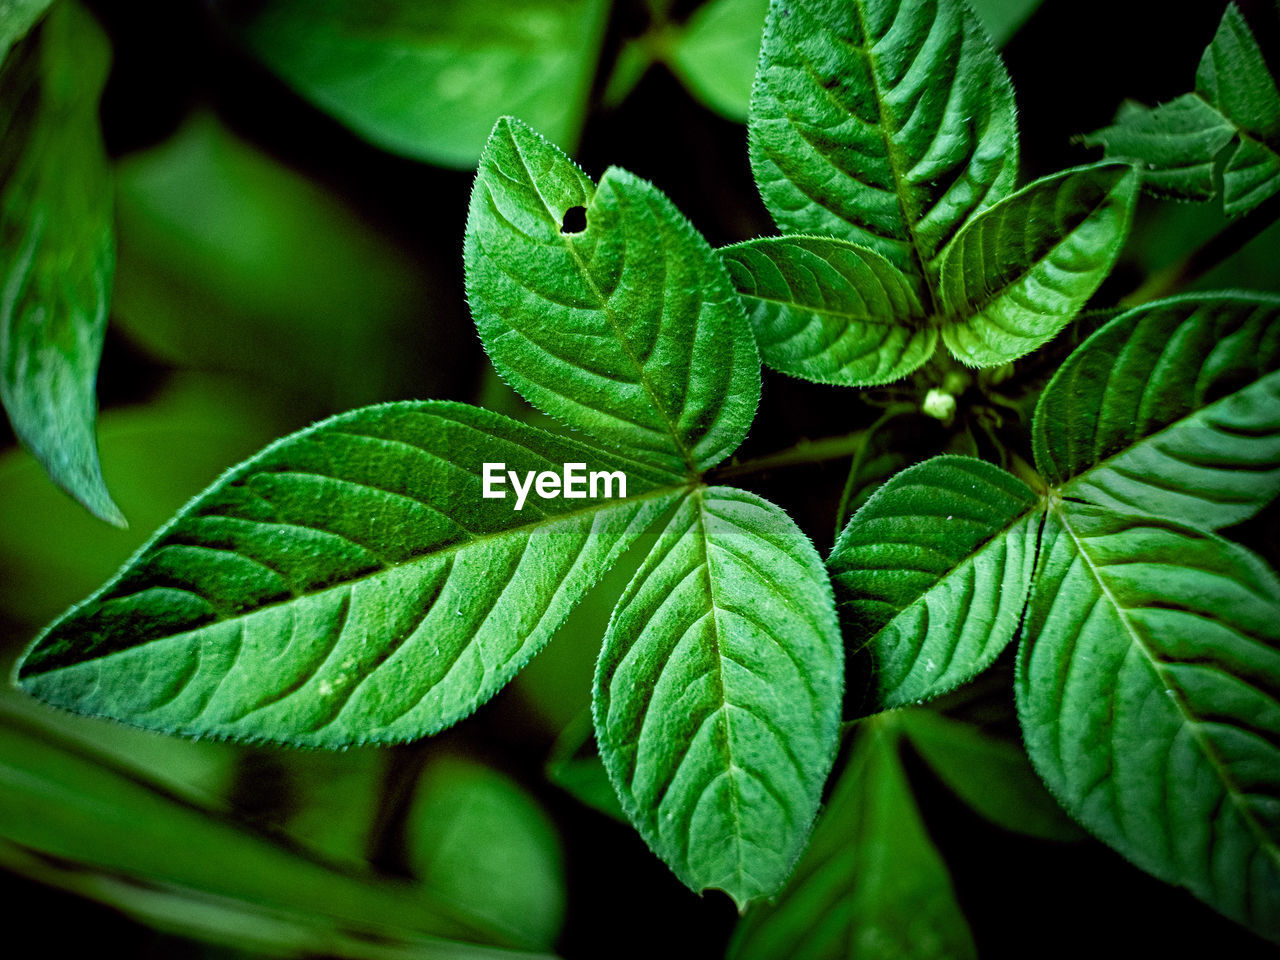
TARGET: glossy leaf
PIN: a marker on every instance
(931, 575)
(717, 693)
(1019, 272)
(829, 311)
(1172, 409)
(57, 253)
(348, 584)
(871, 886)
(1232, 120)
(882, 122)
(1149, 693)
(990, 774)
(627, 328)
(716, 52)
(428, 80)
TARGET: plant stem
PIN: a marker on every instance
(1225, 243)
(806, 451)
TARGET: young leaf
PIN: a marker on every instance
(717, 693)
(883, 122)
(715, 54)
(627, 328)
(1172, 409)
(1235, 108)
(871, 884)
(829, 311)
(1019, 272)
(57, 249)
(428, 80)
(348, 584)
(1003, 18)
(1149, 693)
(931, 575)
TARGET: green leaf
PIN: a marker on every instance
(1003, 18)
(229, 260)
(428, 80)
(1149, 693)
(166, 451)
(56, 249)
(77, 814)
(931, 576)
(871, 886)
(16, 18)
(348, 584)
(1019, 272)
(575, 767)
(717, 693)
(1171, 409)
(990, 774)
(478, 839)
(629, 328)
(715, 54)
(1232, 120)
(829, 311)
(1176, 143)
(882, 122)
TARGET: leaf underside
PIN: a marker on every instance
(629, 329)
(717, 693)
(57, 248)
(348, 584)
(1149, 693)
(882, 122)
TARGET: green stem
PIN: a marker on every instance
(804, 452)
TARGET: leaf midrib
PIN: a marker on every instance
(1066, 486)
(891, 155)
(691, 465)
(1190, 721)
(444, 552)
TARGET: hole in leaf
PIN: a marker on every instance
(575, 220)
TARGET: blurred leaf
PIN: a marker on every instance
(163, 453)
(74, 815)
(16, 18)
(56, 249)
(575, 767)
(428, 80)
(229, 261)
(871, 886)
(991, 775)
(715, 53)
(1003, 18)
(475, 838)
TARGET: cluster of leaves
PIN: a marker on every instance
(350, 584)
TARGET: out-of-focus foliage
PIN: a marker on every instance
(56, 248)
(230, 261)
(428, 80)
